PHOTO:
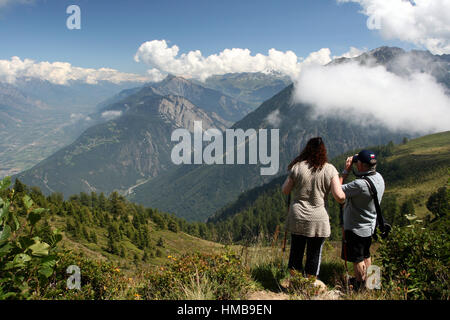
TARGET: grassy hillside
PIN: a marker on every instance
(418, 168)
(115, 230)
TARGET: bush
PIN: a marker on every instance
(415, 262)
(302, 287)
(26, 261)
(221, 275)
(99, 280)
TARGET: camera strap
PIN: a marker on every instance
(373, 192)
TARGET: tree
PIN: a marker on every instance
(173, 226)
(407, 208)
(439, 202)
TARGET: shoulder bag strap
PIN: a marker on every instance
(373, 192)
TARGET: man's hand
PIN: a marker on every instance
(348, 166)
(348, 163)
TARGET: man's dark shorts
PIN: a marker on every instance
(357, 247)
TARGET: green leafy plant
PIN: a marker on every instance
(416, 262)
(302, 287)
(26, 261)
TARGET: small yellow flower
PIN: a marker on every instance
(137, 296)
(117, 270)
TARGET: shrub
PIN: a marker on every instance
(26, 261)
(99, 280)
(222, 276)
(415, 261)
(302, 287)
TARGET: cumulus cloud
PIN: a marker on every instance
(155, 75)
(416, 103)
(60, 72)
(160, 56)
(422, 22)
(108, 115)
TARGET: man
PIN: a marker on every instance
(360, 215)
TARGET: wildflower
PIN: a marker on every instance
(137, 296)
(117, 270)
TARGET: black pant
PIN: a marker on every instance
(313, 253)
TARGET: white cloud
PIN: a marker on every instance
(160, 56)
(352, 53)
(274, 118)
(111, 114)
(416, 103)
(155, 75)
(422, 22)
(74, 117)
(60, 72)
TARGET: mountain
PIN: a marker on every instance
(404, 63)
(206, 188)
(212, 101)
(251, 87)
(39, 117)
(131, 147)
(412, 172)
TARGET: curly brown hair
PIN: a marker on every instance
(314, 153)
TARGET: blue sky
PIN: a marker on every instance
(112, 31)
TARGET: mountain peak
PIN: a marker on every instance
(171, 77)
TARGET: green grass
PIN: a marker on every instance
(423, 165)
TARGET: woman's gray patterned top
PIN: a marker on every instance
(307, 213)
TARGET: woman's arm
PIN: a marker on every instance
(336, 189)
(287, 186)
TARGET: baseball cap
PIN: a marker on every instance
(365, 156)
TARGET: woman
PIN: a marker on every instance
(311, 178)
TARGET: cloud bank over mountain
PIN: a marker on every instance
(422, 22)
(369, 94)
(61, 72)
(167, 59)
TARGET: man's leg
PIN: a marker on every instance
(360, 271)
(368, 262)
